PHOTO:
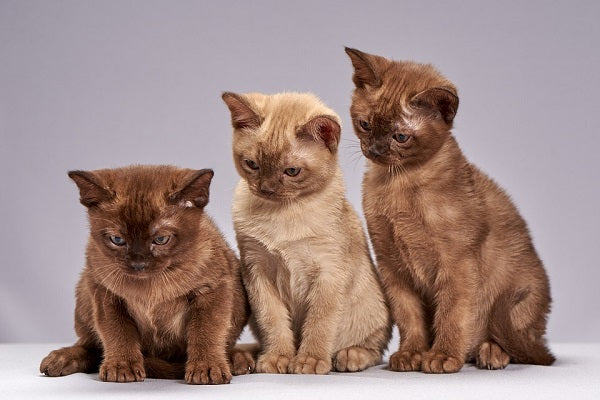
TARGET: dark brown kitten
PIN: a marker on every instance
(161, 294)
(460, 271)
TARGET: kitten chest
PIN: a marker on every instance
(161, 326)
(406, 230)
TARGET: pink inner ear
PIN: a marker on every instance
(325, 129)
(327, 133)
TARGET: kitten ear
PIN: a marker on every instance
(365, 68)
(91, 190)
(242, 115)
(323, 129)
(195, 190)
(442, 100)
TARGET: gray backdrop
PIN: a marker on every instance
(86, 85)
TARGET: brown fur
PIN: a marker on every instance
(457, 262)
(169, 310)
(316, 299)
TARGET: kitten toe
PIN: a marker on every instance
(270, 363)
(306, 364)
(242, 362)
(491, 356)
(404, 361)
(122, 371)
(435, 362)
(202, 372)
(354, 358)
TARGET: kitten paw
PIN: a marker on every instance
(354, 358)
(66, 361)
(272, 363)
(242, 362)
(122, 371)
(202, 372)
(305, 364)
(405, 361)
(491, 356)
(435, 362)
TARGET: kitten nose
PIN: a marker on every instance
(376, 149)
(266, 188)
(138, 266)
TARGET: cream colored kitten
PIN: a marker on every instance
(316, 300)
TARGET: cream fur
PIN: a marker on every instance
(316, 298)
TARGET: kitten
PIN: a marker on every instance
(457, 262)
(316, 300)
(161, 294)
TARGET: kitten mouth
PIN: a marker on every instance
(142, 274)
(379, 159)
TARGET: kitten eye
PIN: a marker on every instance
(161, 240)
(365, 125)
(292, 171)
(251, 164)
(117, 240)
(400, 138)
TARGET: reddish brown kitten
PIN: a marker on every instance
(161, 293)
(459, 268)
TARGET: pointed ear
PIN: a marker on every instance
(365, 68)
(242, 115)
(91, 190)
(195, 191)
(322, 129)
(440, 100)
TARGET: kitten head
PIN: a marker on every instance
(402, 112)
(144, 220)
(284, 145)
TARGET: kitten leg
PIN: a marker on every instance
(405, 303)
(207, 335)
(407, 311)
(268, 310)
(242, 357)
(491, 356)
(85, 355)
(408, 315)
(453, 318)
(70, 360)
(319, 329)
(123, 360)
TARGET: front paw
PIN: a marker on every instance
(436, 362)
(242, 362)
(272, 363)
(404, 361)
(122, 371)
(306, 364)
(200, 372)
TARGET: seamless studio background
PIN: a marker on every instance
(87, 85)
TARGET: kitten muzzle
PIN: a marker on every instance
(377, 150)
(266, 189)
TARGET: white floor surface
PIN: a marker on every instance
(575, 375)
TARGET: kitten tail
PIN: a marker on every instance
(161, 369)
(520, 345)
